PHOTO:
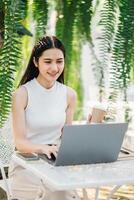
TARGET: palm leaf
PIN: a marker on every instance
(1, 23)
(132, 67)
(21, 30)
(107, 23)
(40, 13)
(64, 28)
(67, 31)
(9, 54)
(73, 29)
(123, 47)
(83, 18)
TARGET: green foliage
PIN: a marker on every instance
(40, 13)
(132, 67)
(122, 52)
(108, 15)
(83, 18)
(116, 46)
(73, 29)
(80, 18)
(1, 23)
(64, 29)
(10, 54)
(75, 75)
(108, 23)
(67, 29)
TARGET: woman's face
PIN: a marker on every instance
(50, 64)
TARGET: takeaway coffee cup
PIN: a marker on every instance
(98, 113)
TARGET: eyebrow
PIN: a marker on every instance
(52, 59)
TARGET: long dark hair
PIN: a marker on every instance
(43, 44)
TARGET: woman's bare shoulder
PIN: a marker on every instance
(71, 94)
(20, 96)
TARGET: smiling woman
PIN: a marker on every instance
(41, 55)
(50, 65)
(41, 106)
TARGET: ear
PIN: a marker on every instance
(35, 63)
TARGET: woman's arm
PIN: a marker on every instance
(71, 102)
(19, 104)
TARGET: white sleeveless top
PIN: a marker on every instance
(45, 113)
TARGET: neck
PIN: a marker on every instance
(44, 83)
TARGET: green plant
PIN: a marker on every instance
(64, 29)
(122, 51)
(1, 24)
(40, 14)
(10, 53)
(36, 20)
(74, 30)
(116, 48)
(108, 21)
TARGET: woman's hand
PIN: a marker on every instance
(98, 119)
(49, 149)
(89, 118)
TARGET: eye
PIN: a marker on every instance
(60, 61)
(48, 62)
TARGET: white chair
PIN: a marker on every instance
(6, 150)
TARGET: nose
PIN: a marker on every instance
(54, 68)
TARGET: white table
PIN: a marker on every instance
(82, 176)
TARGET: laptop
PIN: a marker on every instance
(89, 144)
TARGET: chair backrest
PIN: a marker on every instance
(6, 151)
(6, 142)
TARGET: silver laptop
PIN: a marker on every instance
(90, 143)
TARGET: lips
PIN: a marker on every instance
(52, 74)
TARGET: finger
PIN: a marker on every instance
(48, 154)
(55, 148)
(89, 117)
(55, 153)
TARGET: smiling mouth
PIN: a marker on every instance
(53, 74)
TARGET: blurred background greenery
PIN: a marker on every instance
(76, 23)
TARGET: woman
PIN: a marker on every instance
(41, 106)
